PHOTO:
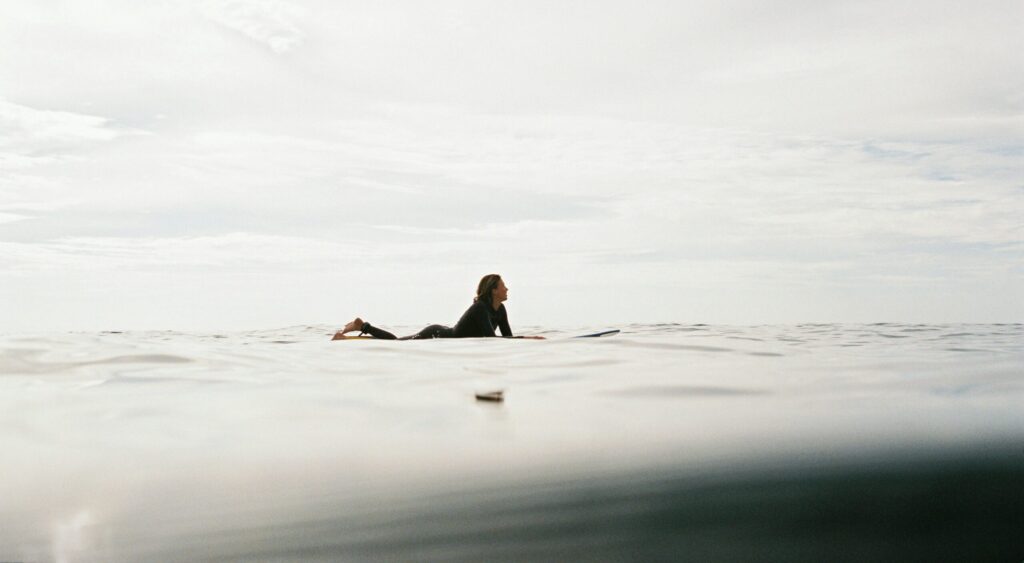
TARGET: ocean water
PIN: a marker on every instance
(669, 442)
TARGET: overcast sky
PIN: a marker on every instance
(256, 163)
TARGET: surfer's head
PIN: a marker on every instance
(491, 290)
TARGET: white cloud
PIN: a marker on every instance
(26, 131)
(10, 217)
(228, 252)
(270, 22)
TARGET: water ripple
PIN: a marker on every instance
(649, 391)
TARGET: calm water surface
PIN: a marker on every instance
(664, 443)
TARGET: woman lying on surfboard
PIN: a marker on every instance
(483, 316)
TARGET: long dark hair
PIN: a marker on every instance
(487, 284)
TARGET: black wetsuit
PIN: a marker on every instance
(479, 320)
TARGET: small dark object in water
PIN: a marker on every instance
(496, 396)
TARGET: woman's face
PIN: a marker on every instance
(499, 293)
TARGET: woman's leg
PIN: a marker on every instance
(432, 331)
(376, 332)
(364, 328)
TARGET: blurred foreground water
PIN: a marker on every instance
(880, 442)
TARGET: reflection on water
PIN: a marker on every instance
(930, 508)
(664, 443)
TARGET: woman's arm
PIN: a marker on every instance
(506, 330)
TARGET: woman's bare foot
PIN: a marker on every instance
(353, 326)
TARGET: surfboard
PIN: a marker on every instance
(598, 334)
(593, 335)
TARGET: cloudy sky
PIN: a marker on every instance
(258, 163)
